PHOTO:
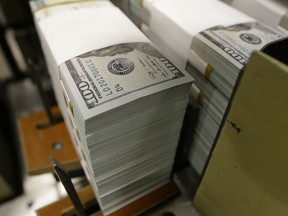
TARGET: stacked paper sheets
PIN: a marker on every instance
(271, 12)
(122, 100)
(213, 41)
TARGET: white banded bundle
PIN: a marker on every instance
(271, 12)
(122, 100)
(213, 41)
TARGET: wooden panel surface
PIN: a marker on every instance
(135, 208)
(37, 144)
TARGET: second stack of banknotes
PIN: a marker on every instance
(213, 42)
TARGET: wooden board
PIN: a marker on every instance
(59, 206)
(37, 144)
(135, 208)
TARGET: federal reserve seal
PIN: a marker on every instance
(121, 66)
(251, 38)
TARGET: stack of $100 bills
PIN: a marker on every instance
(122, 100)
(213, 42)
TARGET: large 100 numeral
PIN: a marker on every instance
(87, 94)
(235, 55)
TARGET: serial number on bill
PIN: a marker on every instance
(99, 79)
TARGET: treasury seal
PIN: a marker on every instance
(121, 66)
(251, 38)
